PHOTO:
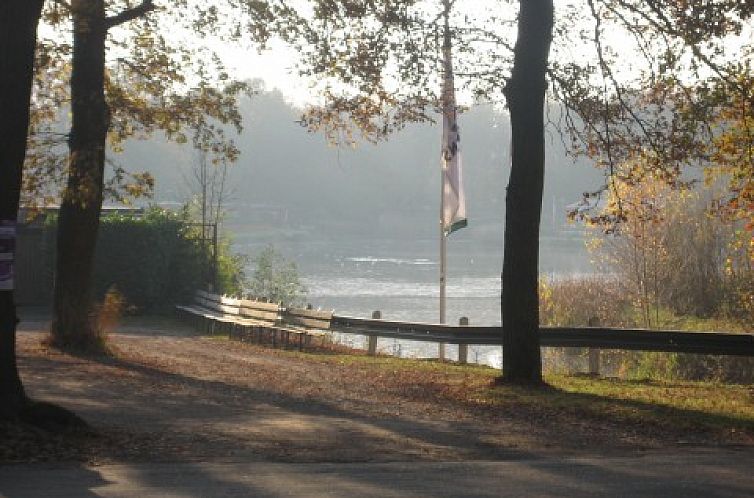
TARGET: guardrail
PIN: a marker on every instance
(229, 310)
(716, 343)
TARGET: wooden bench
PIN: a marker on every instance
(292, 326)
(257, 321)
(211, 311)
(307, 323)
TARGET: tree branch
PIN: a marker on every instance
(130, 14)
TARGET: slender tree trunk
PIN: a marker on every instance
(78, 223)
(525, 95)
(18, 38)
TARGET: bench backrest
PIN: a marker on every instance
(218, 303)
(259, 310)
(264, 311)
(313, 319)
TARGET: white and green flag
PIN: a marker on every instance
(454, 200)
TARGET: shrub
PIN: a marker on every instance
(150, 259)
(576, 301)
(275, 278)
(107, 315)
(573, 302)
(671, 251)
(685, 366)
(156, 260)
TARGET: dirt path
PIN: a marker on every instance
(170, 395)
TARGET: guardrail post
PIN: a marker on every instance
(463, 349)
(376, 315)
(594, 353)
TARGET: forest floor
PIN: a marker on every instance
(169, 394)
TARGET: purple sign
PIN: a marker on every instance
(7, 250)
(6, 275)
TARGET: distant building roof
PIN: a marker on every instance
(28, 215)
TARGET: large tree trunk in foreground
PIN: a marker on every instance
(78, 223)
(18, 38)
(525, 95)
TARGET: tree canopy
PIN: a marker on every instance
(632, 79)
(156, 81)
(127, 79)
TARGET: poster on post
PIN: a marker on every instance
(7, 252)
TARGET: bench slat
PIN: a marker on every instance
(230, 301)
(315, 319)
(307, 322)
(264, 316)
(259, 305)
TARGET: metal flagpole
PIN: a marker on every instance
(443, 260)
(443, 255)
(443, 167)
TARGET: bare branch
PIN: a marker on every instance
(666, 25)
(129, 14)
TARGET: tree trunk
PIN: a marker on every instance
(18, 38)
(78, 223)
(525, 95)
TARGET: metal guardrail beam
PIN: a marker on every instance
(717, 343)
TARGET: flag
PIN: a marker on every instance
(454, 199)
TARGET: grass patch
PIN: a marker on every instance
(679, 410)
(678, 406)
(657, 410)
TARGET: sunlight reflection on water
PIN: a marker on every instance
(355, 278)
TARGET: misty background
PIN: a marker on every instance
(362, 224)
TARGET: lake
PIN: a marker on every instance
(357, 276)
